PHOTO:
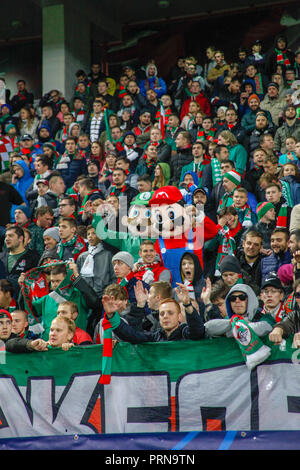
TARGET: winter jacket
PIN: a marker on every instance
(155, 83)
(274, 106)
(29, 259)
(192, 330)
(77, 166)
(249, 119)
(103, 270)
(22, 185)
(238, 155)
(283, 133)
(291, 323)
(273, 262)
(178, 161)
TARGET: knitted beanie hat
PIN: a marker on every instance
(124, 256)
(53, 233)
(262, 208)
(253, 97)
(24, 209)
(234, 177)
(230, 263)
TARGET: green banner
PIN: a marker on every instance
(161, 387)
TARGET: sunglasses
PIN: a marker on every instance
(232, 298)
(297, 295)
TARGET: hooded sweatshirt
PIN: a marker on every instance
(196, 285)
(219, 327)
(22, 185)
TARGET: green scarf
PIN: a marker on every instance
(254, 351)
(286, 192)
(78, 246)
(108, 325)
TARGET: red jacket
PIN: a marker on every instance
(81, 336)
(201, 99)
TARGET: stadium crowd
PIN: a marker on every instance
(94, 187)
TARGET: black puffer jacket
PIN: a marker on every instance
(181, 158)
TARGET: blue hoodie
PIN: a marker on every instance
(22, 185)
(187, 194)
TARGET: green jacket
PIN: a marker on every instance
(78, 291)
(238, 155)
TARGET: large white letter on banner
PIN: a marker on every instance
(214, 400)
(279, 396)
(137, 403)
(43, 409)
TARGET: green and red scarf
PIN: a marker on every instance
(209, 135)
(77, 242)
(108, 326)
(253, 350)
(282, 217)
(282, 58)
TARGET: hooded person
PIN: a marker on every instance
(279, 55)
(23, 181)
(162, 175)
(44, 135)
(192, 275)
(153, 81)
(243, 324)
(130, 149)
(189, 184)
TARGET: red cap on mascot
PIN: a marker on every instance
(166, 195)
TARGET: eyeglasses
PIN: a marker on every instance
(233, 298)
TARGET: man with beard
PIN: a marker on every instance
(291, 127)
(280, 253)
(250, 257)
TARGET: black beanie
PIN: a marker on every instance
(230, 263)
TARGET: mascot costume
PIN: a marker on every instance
(181, 228)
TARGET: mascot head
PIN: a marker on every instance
(169, 216)
(139, 216)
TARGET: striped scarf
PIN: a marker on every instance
(282, 217)
(203, 136)
(150, 163)
(113, 189)
(253, 350)
(198, 169)
(280, 314)
(108, 325)
(226, 247)
(107, 171)
(286, 192)
(216, 171)
(282, 58)
(122, 91)
(258, 84)
(77, 242)
(85, 200)
(78, 115)
(244, 214)
(225, 201)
